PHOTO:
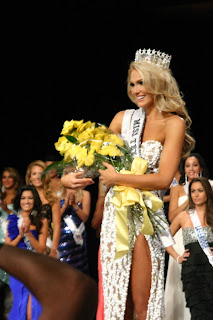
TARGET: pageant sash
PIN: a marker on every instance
(132, 127)
(137, 124)
(77, 232)
(200, 235)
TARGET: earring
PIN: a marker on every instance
(159, 110)
(186, 179)
(200, 174)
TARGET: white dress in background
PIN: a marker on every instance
(175, 302)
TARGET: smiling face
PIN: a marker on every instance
(7, 180)
(140, 96)
(198, 193)
(27, 201)
(35, 176)
(192, 168)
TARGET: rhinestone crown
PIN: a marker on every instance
(158, 58)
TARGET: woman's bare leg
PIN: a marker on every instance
(141, 276)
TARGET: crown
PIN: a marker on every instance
(158, 58)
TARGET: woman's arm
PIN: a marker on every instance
(14, 242)
(173, 204)
(56, 219)
(98, 214)
(83, 212)
(66, 203)
(176, 224)
(179, 258)
(61, 289)
(40, 244)
(170, 158)
(74, 181)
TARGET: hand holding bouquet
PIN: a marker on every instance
(86, 145)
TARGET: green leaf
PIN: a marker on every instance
(58, 166)
(72, 139)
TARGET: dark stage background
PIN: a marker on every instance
(65, 60)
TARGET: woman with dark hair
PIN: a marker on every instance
(190, 167)
(204, 172)
(26, 230)
(10, 181)
(197, 270)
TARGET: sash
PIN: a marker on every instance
(76, 231)
(200, 235)
(132, 127)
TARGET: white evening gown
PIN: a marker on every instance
(175, 302)
(116, 273)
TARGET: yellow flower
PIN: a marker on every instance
(111, 151)
(99, 136)
(72, 152)
(114, 139)
(81, 157)
(89, 160)
(85, 135)
(62, 145)
(101, 129)
(96, 145)
(85, 125)
(70, 125)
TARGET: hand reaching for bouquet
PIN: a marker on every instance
(74, 181)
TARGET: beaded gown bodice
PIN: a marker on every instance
(189, 235)
(151, 151)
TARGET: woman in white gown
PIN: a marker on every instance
(155, 131)
(175, 302)
(150, 133)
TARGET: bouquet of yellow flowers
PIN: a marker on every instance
(85, 145)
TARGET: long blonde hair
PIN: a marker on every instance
(47, 187)
(167, 97)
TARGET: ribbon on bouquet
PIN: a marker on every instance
(128, 196)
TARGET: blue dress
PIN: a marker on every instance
(71, 250)
(19, 291)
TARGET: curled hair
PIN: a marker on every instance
(160, 83)
(209, 203)
(47, 187)
(202, 163)
(29, 169)
(35, 216)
